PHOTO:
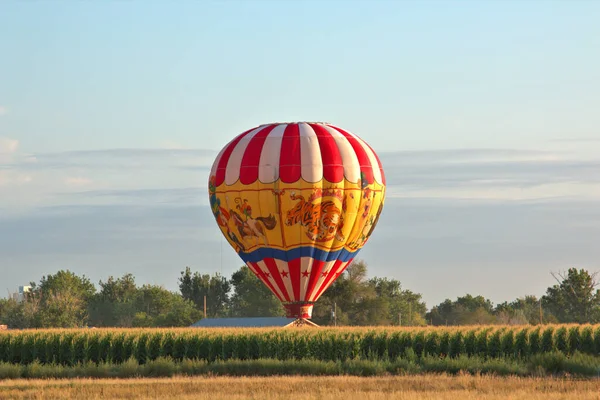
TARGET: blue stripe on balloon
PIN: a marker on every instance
(306, 251)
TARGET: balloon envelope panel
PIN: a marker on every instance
(297, 202)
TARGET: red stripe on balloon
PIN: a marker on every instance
(333, 166)
(276, 274)
(331, 276)
(251, 157)
(361, 154)
(261, 275)
(315, 275)
(294, 267)
(289, 159)
(378, 163)
(222, 166)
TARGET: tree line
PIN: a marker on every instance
(65, 299)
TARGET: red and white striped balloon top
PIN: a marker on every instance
(291, 151)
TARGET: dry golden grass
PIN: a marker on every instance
(462, 387)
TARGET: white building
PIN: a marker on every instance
(20, 295)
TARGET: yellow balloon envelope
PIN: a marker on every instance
(297, 201)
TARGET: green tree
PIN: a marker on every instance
(62, 281)
(350, 293)
(63, 300)
(156, 306)
(114, 304)
(361, 301)
(118, 290)
(182, 312)
(466, 310)
(251, 297)
(62, 309)
(6, 308)
(405, 306)
(575, 298)
(19, 315)
(216, 289)
(524, 310)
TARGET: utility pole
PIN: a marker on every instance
(541, 313)
(334, 314)
(400, 319)
(410, 313)
(204, 306)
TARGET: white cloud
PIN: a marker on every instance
(488, 174)
(179, 175)
(77, 181)
(8, 146)
(24, 179)
(551, 191)
(14, 178)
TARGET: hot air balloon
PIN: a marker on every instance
(297, 201)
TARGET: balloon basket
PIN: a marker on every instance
(300, 310)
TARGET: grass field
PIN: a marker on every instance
(410, 388)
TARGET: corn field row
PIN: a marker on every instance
(70, 347)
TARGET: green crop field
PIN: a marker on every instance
(519, 350)
(71, 346)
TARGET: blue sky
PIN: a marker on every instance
(484, 113)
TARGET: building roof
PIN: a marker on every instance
(243, 322)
